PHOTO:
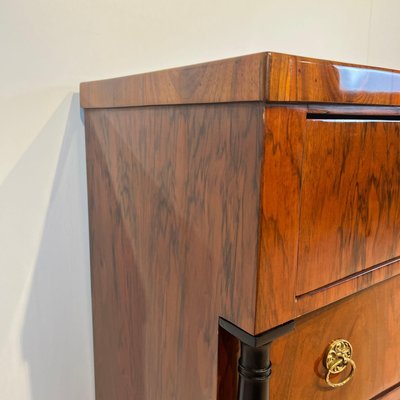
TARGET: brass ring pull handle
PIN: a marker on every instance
(335, 385)
(337, 357)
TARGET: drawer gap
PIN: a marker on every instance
(383, 395)
(353, 117)
(350, 277)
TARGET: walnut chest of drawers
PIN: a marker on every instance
(245, 219)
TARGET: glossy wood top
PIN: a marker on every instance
(266, 77)
(231, 80)
(301, 79)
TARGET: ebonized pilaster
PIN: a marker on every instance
(254, 364)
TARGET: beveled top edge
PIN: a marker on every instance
(222, 81)
(266, 77)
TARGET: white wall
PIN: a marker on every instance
(47, 47)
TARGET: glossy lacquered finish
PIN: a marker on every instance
(350, 199)
(256, 190)
(303, 79)
(280, 215)
(231, 80)
(369, 321)
(173, 196)
(330, 209)
(267, 77)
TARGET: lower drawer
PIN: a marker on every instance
(370, 321)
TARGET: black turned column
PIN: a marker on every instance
(254, 363)
(254, 371)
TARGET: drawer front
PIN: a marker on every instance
(350, 199)
(369, 320)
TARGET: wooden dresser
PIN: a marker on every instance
(245, 218)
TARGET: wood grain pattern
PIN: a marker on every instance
(350, 208)
(256, 210)
(371, 327)
(267, 77)
(302, 79)
(174, 197)
(231, 80)
(285, 185)
(369, 320)
(280, 207)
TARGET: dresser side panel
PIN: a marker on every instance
(173, 205)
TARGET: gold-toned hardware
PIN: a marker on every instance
(337, 357)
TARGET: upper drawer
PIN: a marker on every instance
(350, 199)
(330, 209)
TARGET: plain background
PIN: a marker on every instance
(47, 47)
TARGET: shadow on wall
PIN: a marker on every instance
(57, 332)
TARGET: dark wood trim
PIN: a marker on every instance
(256, 340)
(254, 372)
(254, 365)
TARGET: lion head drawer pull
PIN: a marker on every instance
(338, 357)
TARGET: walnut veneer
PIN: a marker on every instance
(250, 192)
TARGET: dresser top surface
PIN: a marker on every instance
(263, 77)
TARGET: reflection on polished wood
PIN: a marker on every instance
(255, 190)
(280, 215)
(302, 79)
(231, 80)
(330, 208)
(350, 221)
(173, 196)
(369, 321)
(270, 77)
